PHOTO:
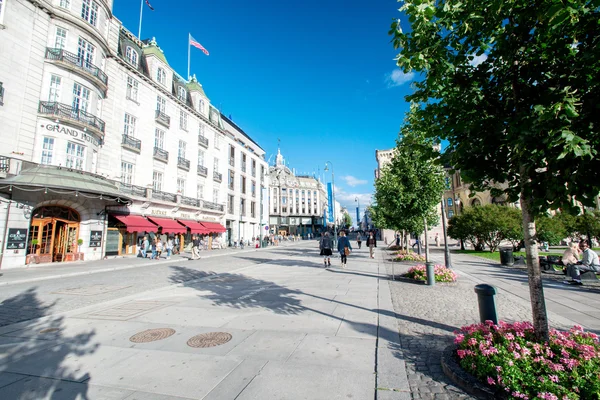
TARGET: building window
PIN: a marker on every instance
(131, 56)
(54, 93)
(60, 40)
(157, 178)
(75, 155)
(181, 151)
(450, 202)
(243, 207)
(89, 11)
(86, 52)
(129, 125)
(201, 129)
(132, 89)
(244, 162)
(217, 141)
(231, 179)
(181, 186)
(81, 97)
(2, 7)
(161, 104)
(450, 213)
(243, 184)
(126, 173)
(231, 156)
(262, 174)
(215, 195)
(253, 168)
(181, 94)
(216, 165)
(253, 209)
(161, 76)
(199, 191)
(183, 120)
(253, 189)
(230, 200)
(47, 150)
(159, 138)
(201, 106)
(63, 3)
(201, 158)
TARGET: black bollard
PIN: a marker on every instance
(487, 302)
(430, 272)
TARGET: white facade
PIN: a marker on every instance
(79, 92)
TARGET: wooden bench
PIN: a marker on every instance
(589, 276)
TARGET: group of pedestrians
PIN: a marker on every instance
(156, 247)
(344, 248)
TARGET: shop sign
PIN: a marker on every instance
(74, 133)
(185, 215)
(17, 238)
(96, 239)
(158, 212)
(306, 221)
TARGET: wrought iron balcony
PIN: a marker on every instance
(217, 177)
(160, 154)
(67, 112)
(164, 196)
(131, 143)
(202, 141)
(202, 170)
(212, 206)
(190, 201)
(183, 163)
(232, 162)
(73, 61)
(162, 118)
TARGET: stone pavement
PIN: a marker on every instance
(289, 329)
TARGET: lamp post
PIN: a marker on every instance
(327, 164)
(357, 212)
(239, 224)
(446, 250)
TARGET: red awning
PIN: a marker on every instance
(194, 226)
(213, 227)
(136, 223)
(168, 225)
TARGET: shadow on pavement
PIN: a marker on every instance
(40, 360)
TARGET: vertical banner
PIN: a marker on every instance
(330, 202)
(357, 218)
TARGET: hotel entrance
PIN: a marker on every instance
(53, 235)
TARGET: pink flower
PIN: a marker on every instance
(553, 378)
(509, 336)
(490, 380)
(459, 339)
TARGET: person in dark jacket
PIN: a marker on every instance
(342, 244)
(325, 244)
(371, 243)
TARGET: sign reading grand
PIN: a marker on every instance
(75, 133)
(17, 238)
(96, 239)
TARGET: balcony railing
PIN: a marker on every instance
(202, 170)
(66, 111)
(160, 154)
(217, 177)
(164, 196)
(232, 162)
(190, 201)
(1, 94)
(78, 62)
(131, 189)
(183, 163)
(202, 141)
(162, 118)
(212, 206)
(131, 143)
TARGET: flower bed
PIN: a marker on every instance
(508, 358)
(404, 255)
(442, 274)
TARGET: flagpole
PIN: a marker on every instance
(189, 38)
(140, 27)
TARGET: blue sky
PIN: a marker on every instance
(319, 75)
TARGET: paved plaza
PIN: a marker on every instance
(254, 324)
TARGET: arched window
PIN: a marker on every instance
(161, 76)
(475, 202)
(131, 56)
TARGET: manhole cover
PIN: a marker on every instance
(49, 330)
(210, 339)
(152, 335)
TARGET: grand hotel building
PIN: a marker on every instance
(102, 142)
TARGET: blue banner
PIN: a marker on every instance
(357, 218)
(330, 202)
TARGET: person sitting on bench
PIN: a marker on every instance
(570, 256)
(589, 262)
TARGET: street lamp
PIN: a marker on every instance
(327, 164)
(446, 250)
(357, 213)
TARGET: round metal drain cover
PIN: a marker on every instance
(49, 330)
(152, 335)
(210, 339)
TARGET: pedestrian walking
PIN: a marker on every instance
(159, 248)
(359, 240)
(325, 245)
(344, 248)
(397, 240)
(437, 240)
(153, 248)
(195, 247)
(176, 245)
(145, 246)
(371, 244)
(169, 248)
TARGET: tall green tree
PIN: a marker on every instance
(513, 86)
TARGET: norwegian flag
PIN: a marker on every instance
(149, 5)
(194, 43)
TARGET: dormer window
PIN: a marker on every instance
(181, 94)
(161, 76)
(131, 56)
(201, 106)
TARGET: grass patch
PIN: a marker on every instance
(496, 255)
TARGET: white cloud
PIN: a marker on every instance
(398, 78)
(477, 59)
(352, 181)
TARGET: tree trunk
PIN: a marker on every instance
(426, 242)
(536, 288)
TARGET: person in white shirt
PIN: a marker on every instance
(589, 262)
